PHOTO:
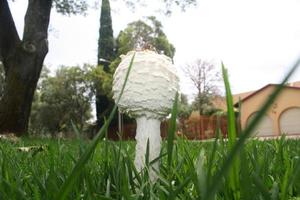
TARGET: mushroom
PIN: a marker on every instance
(148, 97)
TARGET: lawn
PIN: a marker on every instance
(268, 170)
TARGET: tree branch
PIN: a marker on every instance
(36, 26)
(9, 38)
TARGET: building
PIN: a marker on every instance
(283, 115)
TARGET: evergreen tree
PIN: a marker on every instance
(105, 56)
(106, 38)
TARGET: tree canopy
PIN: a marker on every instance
(169, 4)
(68, 7)
(184, 109)
(61, 99)
(140, 33)
(204, 78)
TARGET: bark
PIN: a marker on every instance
(102, 108)
(9, 37)
(23, 61)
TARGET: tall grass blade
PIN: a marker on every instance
(172, 130)
(234, 171)
(213, 152)
(67, 185)
(147, 154)
(246, 133)
(79, 138)
(289, 179)
(261, 187)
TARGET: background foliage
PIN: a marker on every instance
(205, 78)
(67, 96)
(139, 34)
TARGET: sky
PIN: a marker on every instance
(257, 40)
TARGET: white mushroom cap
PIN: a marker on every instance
(151, 86)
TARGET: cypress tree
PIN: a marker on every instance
(105, 56)
(106, 38)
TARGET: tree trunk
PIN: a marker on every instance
(102, 108)
(23, 61)
(9, 37)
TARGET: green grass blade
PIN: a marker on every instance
(234, 171)
(79, 137)
(261, 187)
(230, 110)
(213, 152)
(183, 184)
(147, 154)
(67, 185)
(172, 131)
(289, 179)
(246, 133)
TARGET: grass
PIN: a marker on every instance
(236, 168)
(269, 170)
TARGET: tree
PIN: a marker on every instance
(205, 79)
(105, 56)
(168, 4)
(184, 109)
(184, 112)
(23, 58)
(106, 39)
(63, 98)
(140, 33)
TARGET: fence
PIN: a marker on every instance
(128, 131)
(199, 128)
(203, 127)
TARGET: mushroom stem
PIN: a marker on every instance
(147, 128)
